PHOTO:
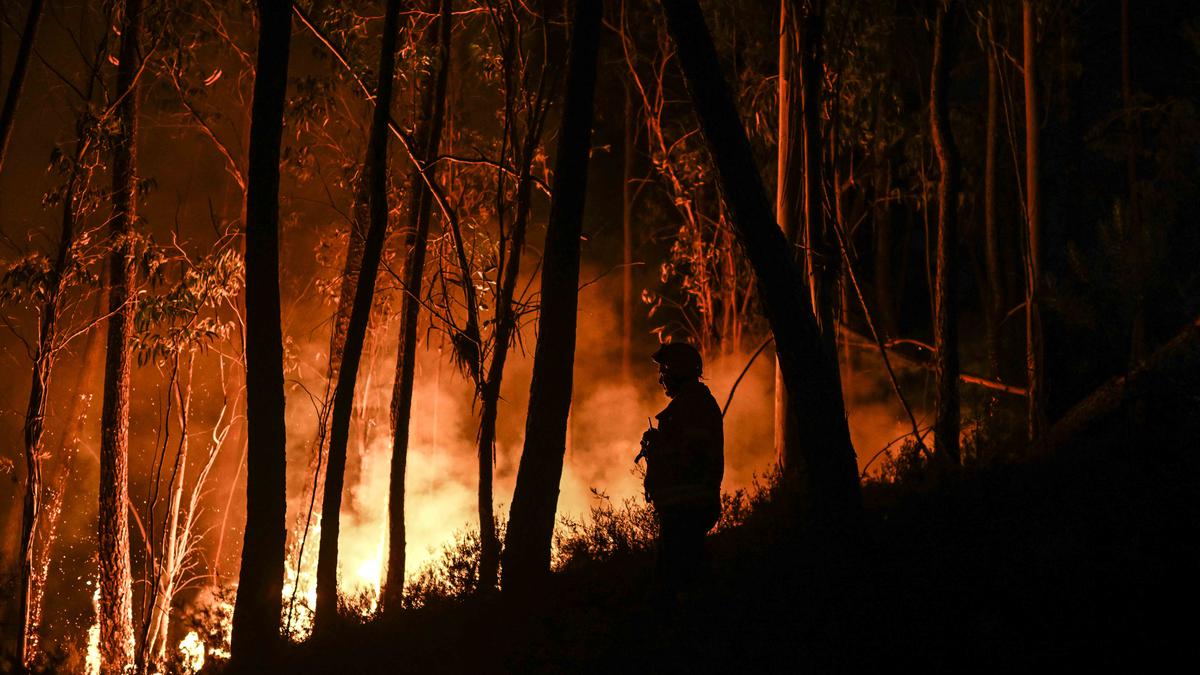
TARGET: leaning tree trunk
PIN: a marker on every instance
(35, 421)
(829, 482)
(420, 206)
(945, 306)
(50, 511)
(260, 584)
(1033, 202)
(789, 190)
(360, 314)
(116, 602)
(16, 81)
(535, 497)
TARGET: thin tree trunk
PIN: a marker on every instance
(829, 483)
(47, 522)
(173, 542)
(789, 192)
(16, 81)
(34, 427)
(820, 258)
(628, 194)
(429, 136)
(343, 397)
(995, 291)
(535, 498)
(116, 604)
(1033, 323)
(946, 422)
(260, 583)
(1136, 234)
(505, 317)
(489, 544)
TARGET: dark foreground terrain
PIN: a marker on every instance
(1087, 559)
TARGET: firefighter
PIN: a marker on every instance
(684, 465)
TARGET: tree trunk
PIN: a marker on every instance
(116, 603)
(820, 256)
(789, 191)
(628, 194)
(1033, 203)
(34, 427)
(174, 544)
(946, 422)
(16, 81)
(1136, 234)
(535, 498)
(429, 136)
(260, 584)
(489, 544)
(829, 480)
(995, 290)
(46, 524)
(343, 396)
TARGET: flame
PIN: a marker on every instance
(92, 662)
(191, 652)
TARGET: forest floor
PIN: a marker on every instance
(1088, 558)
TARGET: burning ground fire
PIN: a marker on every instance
(607, 418)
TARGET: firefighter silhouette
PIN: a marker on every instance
(684, 465)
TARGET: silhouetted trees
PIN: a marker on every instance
(535, 498)
(829, 486)
(420, 211)
(368, 270)
(260, 583)
(16, 80)
(945, 303)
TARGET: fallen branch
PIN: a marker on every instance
(861, 342)
(1181, 352)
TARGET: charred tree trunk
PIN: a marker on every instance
(535, 498)
(16, 81)
(946, 422)
(360, 314)
(116, 602)
(260, 584)
(1033, 204)
(829, 480)
(789, 191)
(995, 290)
(429, 136)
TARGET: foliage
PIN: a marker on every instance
(186, 316)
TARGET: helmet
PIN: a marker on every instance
(680, 359)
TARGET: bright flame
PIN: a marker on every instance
(92, 664)
(191, 652)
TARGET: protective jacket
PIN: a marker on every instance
(685, 456)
